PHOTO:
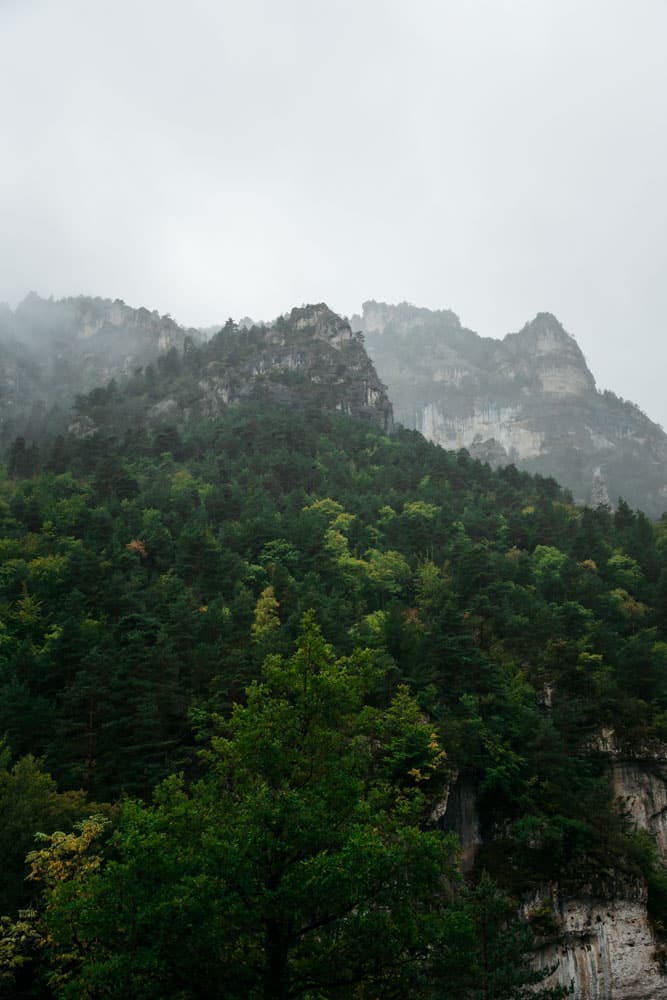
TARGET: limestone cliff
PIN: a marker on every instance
(601, 939)
(606, 946)
(529, 399)
(312, 355)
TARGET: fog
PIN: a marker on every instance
(497, 157)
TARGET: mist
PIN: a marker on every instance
(496, 158)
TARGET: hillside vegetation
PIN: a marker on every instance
(257, 649)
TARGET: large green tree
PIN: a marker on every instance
(298, 867)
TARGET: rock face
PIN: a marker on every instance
(529, 399)
(640, 787)
(457, 813)
(309, 357)
(603, 942)
(50, 351)
(607, 948)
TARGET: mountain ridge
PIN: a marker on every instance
(308, 358)
(528, 399)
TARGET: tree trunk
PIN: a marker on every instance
(276, 975)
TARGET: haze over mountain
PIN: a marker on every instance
(529, 399)
(218, 500)
(499, 157)
(53, 352)
(296, 701)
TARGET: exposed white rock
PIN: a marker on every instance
(564, 380)
(529, 398)
(604, 944)
(164, 408)
(599, 492)
(450, 376)
(502, 424)
(640, 787)
(608, 950)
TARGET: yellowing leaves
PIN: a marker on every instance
(66, 855)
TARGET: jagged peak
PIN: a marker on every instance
(376, 315)
(544, 334)
(545, 323)
(312, 312)
(321, 322)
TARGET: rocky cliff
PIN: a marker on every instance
(309, 358)
(601, 939)
(52, 352)
(312, 355)
(607, 948)
(529, 399)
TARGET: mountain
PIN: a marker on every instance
(206, 504)
(52, 350)
(529, 399)
(148, 571)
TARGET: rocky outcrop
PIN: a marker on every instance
(639, 778)
(52, 352)
(608, 947)
(308, 359)
(529, 399)
(600, 938)
(457, 812)
(310, 356)
(605, 947)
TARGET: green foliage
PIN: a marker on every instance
(488, 954)
(29, 801)
(145, 573)
(298, 857)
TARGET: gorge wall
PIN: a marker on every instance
(528, 399)
(602, 941)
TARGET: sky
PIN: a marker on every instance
(216, 158)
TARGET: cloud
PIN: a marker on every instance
(498, 157)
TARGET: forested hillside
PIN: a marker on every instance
(390, 620)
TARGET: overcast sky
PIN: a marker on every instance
(210, 158)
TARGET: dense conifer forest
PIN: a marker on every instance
(241, 661)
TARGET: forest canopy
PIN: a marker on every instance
(157, 586)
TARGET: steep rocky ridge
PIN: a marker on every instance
(52, 352)
(311, 355)
(529, 399)
(309, 358)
